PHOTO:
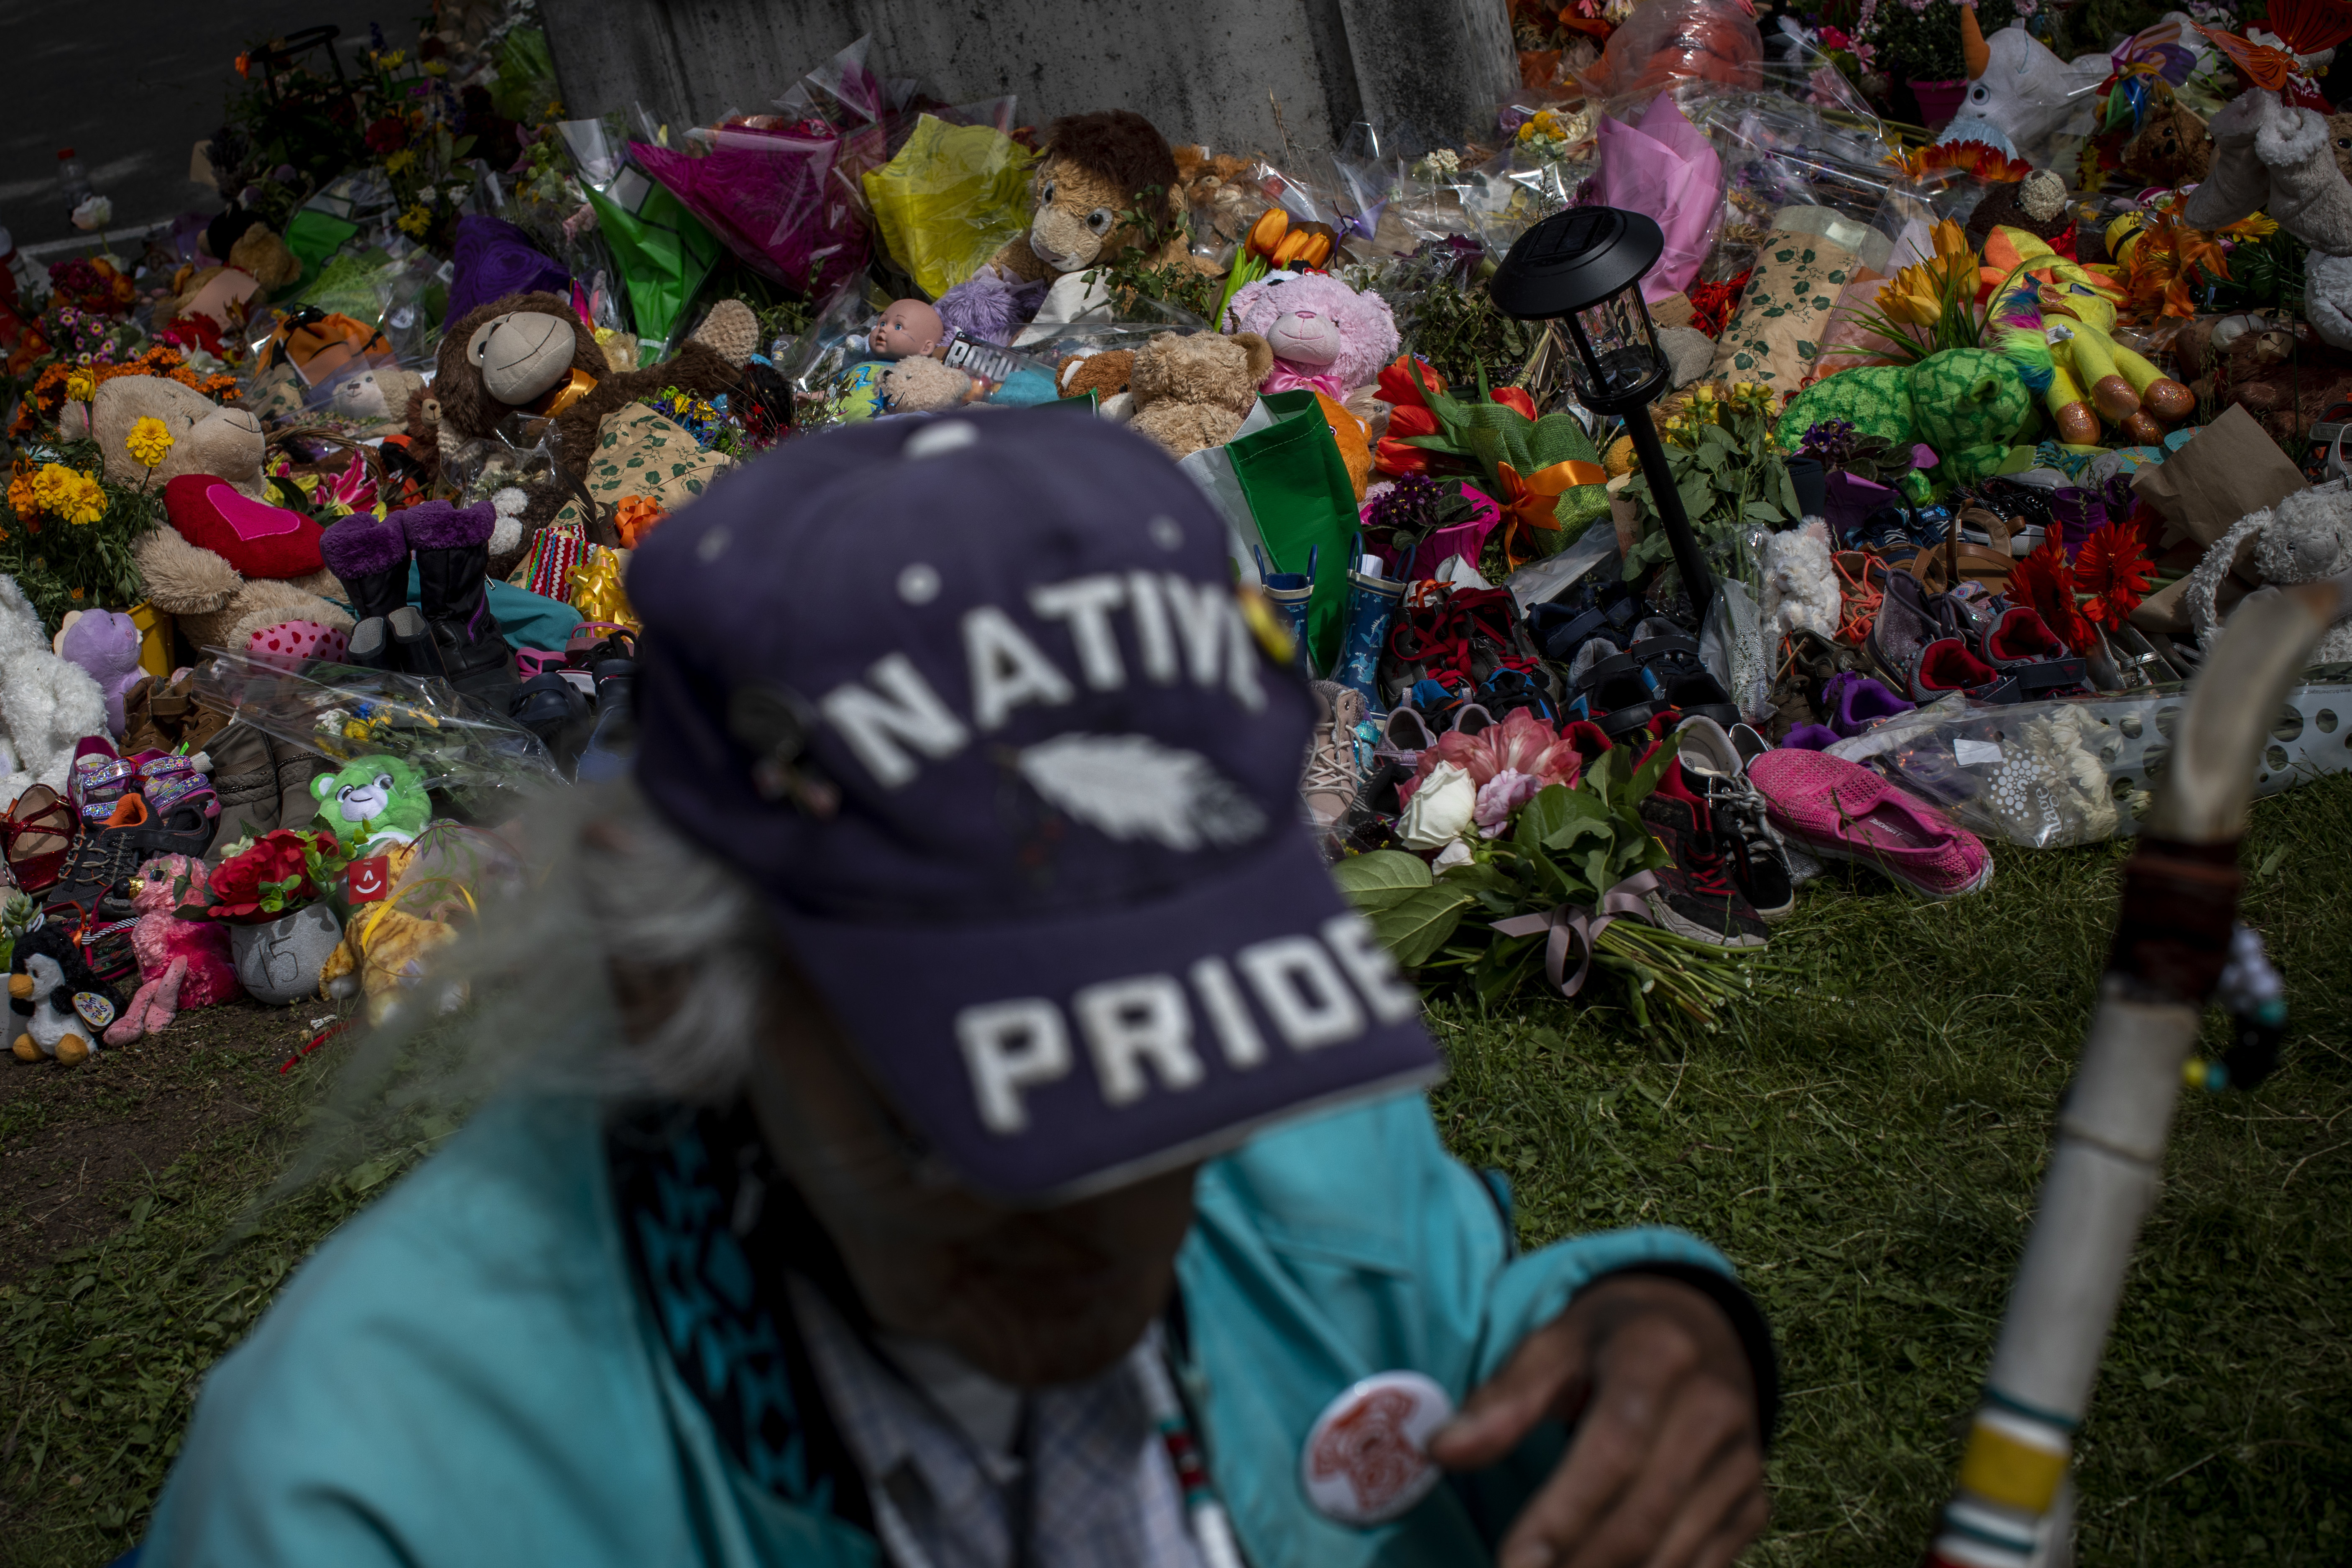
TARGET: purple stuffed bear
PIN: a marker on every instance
(105, 643)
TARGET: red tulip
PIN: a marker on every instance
(1514, 398)
(1393, 457)
(1396, 385)
(1411, 419)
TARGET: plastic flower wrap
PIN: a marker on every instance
(459, 747)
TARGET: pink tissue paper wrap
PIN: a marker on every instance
(1664, 169)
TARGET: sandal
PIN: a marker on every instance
(1612, 689)
(1684, 681)
(36, 836)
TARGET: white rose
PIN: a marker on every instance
(1440, 811)
(94, 214)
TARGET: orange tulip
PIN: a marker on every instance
(1514, 398)
(1397, 384)
(1411, 419)
(1266, 233)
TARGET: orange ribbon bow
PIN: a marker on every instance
(1534, 501)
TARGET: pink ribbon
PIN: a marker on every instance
(1574, 923)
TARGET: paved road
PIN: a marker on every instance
(132, 86)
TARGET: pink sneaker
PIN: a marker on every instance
(1839, 808)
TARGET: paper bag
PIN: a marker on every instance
(2226, 470)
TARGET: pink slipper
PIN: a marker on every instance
(1841, 809)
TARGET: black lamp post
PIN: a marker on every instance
(1585, 267)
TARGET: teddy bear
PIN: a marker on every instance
(1325, 336)
(1215, 188)
(182, 964)
(372, 801)
(1966, 405)
(47, 705)
(1104, 375)
(231, 563)
(2305, 538)
(1800, 587)
(60, 1007)
(2174, 148)
(105, 644)
(532, 353)
(379, 397)
(251, 261)
(1194, 391)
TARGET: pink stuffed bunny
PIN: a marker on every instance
(182, 964)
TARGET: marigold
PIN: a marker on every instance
(64, 494)
(80, 386)
(150, 441)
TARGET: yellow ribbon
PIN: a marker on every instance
(570, 390)
(1534, 501)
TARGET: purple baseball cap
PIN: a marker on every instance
(974, 699)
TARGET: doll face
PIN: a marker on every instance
(907, 328)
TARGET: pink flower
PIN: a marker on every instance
(1522, 744)
(1498, 797)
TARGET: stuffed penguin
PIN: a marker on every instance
(61, 1008)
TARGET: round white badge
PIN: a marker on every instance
(1366, 1460)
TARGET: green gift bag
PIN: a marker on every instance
(1297, 487)
(314, 236)
(663, 251)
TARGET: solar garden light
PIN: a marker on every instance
(1585, 267)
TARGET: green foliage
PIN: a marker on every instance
(1567, 849)
(1731, 477)
(1458, 330)
(2264, 275)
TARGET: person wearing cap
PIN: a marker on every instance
(1005, 1145)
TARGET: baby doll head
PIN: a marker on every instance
(1313, 321)
(908, 327)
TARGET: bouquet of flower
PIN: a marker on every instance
(1565, 879)
(265, 879)
(1544, 470)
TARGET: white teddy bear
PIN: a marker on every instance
(45, 703)
(2305, 538)
(1800, 590)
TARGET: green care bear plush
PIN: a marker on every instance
(372, 801)
(1968, 404)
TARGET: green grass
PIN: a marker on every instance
(1868, 1155)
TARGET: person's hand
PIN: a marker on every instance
(1667, 1467)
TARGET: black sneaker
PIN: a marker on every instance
(1695, 896)
(91, 888)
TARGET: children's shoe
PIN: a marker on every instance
(1713, 769)
(2021, 644)
(1946, 665)
(1405, 735)
(1291, 592)
(1843, 810)
(1334, 770)
(1372, 601)
(1853, 703)
(1671, 656)
(37, 834)
(1611, 689)
(1695, 896)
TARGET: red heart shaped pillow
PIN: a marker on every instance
(258, 539)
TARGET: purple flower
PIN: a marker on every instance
(1501, 796)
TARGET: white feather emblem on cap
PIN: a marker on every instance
(1131, 786)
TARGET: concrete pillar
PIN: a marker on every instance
(1202, 72)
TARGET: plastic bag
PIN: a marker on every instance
(953, 197)
(2079, 770)
(1667, 41)
(1731, 644)
(480, 761)
(769, 196)
(661, 251)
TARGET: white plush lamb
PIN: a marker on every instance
(2281, 160)
(2304, 539)
(1800, 590)
(45, 703)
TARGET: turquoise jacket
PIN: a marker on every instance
(467, 1371)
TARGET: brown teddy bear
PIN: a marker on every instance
(1194, 392)
(1098, 170)
(1215, 190)
(256, 263)
(2175, 148)
(531, 352)
(1105, 375)
(217, 604)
